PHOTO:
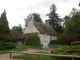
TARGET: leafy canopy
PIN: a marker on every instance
(72, 25)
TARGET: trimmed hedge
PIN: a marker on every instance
(32, 40)
(75, 43)
(71, 37)
(7, 45)
(60, 42)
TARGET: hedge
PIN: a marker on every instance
(60, 42)
(71, 37)
(7, 45)
(75, 43)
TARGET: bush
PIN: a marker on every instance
(67, 50)
(60, 42)
(75, 43)
(6, 45)
(8, 38)
(32, 40)
(71, 37)
(59, 37)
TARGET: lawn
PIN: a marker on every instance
(18, 48)
(33, 57)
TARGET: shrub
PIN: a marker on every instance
(10, 45)
(59, 37)
(6, 45)
(60, 42)
(8, 38)
(75, 43)
(71, 37)
(67, 50)
(32, 40)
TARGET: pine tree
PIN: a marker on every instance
(4, 28)
(54, 19)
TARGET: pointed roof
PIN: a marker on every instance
(42, 28)
(16, 33)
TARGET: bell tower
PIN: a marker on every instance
(31, 17)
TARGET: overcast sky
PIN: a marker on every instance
(18, 10)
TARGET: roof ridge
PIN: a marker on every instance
(43, 24)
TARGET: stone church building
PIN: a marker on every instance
(46, 33)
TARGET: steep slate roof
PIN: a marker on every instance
(16, 33)
(45, 29)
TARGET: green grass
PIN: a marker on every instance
(18, 48)
(33, 57)
(43, 52)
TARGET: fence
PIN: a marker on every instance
(39, 54)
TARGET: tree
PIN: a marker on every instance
(73, 12)
(4, 28)
(72, 25)
(54, 19)
(65, 19)
(17, 28)
(37, 18)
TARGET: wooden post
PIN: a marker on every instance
(37, 57)
(10, 54)
(72, 58)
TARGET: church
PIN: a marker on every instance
(45, 33)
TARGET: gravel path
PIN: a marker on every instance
(7, 56)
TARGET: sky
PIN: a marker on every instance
(18, 10)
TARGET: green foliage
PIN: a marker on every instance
(60, 42)
(59, 37)
(37, 17)
(18, 48)
(67, 50)
(4, 28)
(33, 57)
(54, 19)
(72, 25)
(32, 40)
(8, 38)
(75, 43)
(17, 28)
(6, 45)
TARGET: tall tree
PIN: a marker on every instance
(65, 19)
(17, 28)
(37, 18)
(72, 25)
(54, 19)
(4, 27)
